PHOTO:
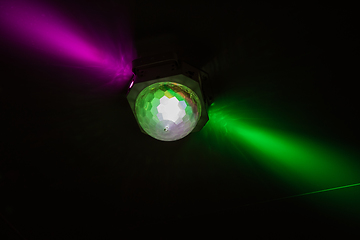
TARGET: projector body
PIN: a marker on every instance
(167, 68)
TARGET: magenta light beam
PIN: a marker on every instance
(40, 28)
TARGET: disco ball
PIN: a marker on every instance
(167, 111)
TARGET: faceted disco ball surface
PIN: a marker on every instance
(167, 111)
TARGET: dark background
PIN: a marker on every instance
(74, 164)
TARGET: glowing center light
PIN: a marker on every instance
(171, 109)
(167, 111)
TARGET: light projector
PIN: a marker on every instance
(168, 97)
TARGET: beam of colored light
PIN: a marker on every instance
(41, 29)
(307, 193)
(305, 164)
(289, 197)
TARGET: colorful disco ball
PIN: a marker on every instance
(167, 111)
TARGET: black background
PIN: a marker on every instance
(74, 164)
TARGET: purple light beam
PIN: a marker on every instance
(39, 27)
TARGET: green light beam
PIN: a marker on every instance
(302, 162)
(308, 193)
